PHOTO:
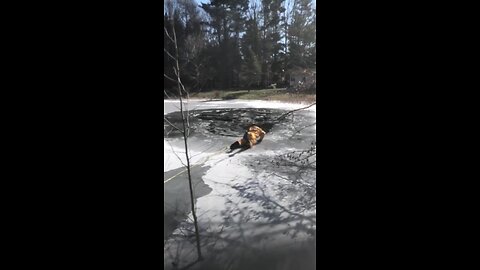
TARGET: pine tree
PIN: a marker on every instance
(227, 20)
(237, 45)
(275, 38)
(251, 68)
(301, 34)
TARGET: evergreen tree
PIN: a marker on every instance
(240, 44)
(301, 34)
(275, 38)
(227, 20)
(251, 68)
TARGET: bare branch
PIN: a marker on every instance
(168, 96)
(172, 125)
(175, 153)
(168, 35)
(166, 76)
(171, 56)
(298, 130)
(292, 111)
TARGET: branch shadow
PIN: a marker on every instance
(262, 226)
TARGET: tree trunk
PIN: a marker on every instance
(185, 133)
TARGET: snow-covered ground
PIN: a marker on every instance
(257, 207)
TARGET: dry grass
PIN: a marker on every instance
(265, 94)
(294, 98)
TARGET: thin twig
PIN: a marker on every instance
(171, 56)
(168, 35)
(292, 111)
(298, 130)
(175, 153)
(172, 125)
(166, 76)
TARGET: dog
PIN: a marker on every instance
(254, 135)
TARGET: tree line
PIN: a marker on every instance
(238, 44)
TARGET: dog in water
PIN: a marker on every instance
(252, 136)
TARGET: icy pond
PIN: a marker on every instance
(256, 209)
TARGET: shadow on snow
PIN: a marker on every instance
(269, 227)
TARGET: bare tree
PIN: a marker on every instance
(185, 129)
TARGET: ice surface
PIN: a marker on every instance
(251, 209)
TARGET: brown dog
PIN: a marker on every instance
(252, 136)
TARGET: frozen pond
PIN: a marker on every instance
(217, 124)
(258, 200)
